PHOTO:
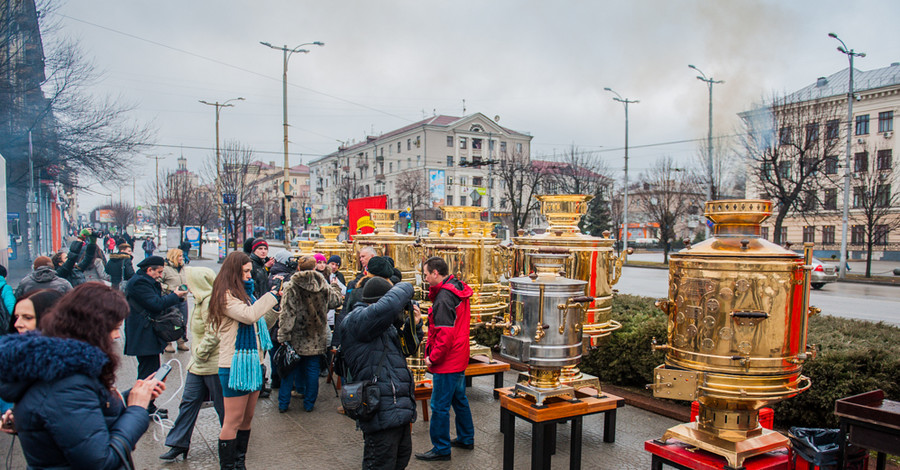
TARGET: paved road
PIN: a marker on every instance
(850, 300)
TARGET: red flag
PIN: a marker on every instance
(359, 218)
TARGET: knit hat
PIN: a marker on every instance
(152, 261)
(248, 245)
(283, 257)
(258, 243)
(123, 246)
(335, 259)
(42, 261)
(374, 289)
(320, 258)
(379, 266)
(306, 263)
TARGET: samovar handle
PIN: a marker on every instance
(617, 266)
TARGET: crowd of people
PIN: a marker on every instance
(58, 362)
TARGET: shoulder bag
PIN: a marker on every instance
(361, 399)
(169, 325)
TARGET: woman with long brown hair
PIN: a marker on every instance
(70, 414)
(237, 317)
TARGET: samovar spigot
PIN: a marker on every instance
(654, 346)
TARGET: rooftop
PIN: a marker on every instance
(836, 83)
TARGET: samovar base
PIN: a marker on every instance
(584, 381)
(480, 350)
(541, 394)
(734, 452)
(417, 368)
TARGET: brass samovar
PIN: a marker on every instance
(590, 259)
(738, 307)
(387, 242)
(468, 245)
(330, 245)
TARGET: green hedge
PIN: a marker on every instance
(853, 357)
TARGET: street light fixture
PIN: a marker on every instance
(287, 52)
(709, 141)
(626, 102)
(850, 55)
(218, 196)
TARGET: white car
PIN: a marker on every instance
(211, 237)
(822, 274)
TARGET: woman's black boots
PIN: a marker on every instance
(227, 452)
(243, 441)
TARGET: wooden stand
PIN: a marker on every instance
(871, 422)
(423, 394)
(478, 368)
(544, 420)
(679, 455)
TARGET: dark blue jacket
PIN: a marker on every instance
(65, 417)
(145, 298)
(72, 272)
(367, 330)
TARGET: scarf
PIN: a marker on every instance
(246, 372)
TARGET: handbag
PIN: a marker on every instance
(123, 450)
(361, 399)
(286, 359)
(168, 326)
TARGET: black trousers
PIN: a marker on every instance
(388, 449)
(146, 366)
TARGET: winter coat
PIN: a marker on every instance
(351, 298)
(120, 268)
(7, 296)
(96, 271)
(304, 306)
(448, 327)
(205, 343)
(172, 277)
(145, 299)
(260, 275)
(75, 273)
(64, 415)
(368, 332)
(148, 246)
(278, 269)
(43, 277)
(236, 312)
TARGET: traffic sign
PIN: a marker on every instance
(308, 210)
(229, 198)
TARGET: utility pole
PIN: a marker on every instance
(158, 223)
(218, 196)
(710, 194)
(626, 102)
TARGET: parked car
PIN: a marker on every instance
(822, 274)
(211, 237)
(305, 235)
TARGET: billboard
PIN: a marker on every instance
(107, 216)
(359, 218)
(437, 187)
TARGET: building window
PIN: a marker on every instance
(809, 234)
(784, 135)
(449, 160)
(476, 144)
(491, 203)
(859, 197)
(764, 233)
(886, 121)
(828, 235)
(883, 195)
(462, 161)
(502, 147)
(449, 180)
(408, 144)
(408, 162)
(858, 234)
(784, 237)
(830, 202)
(831, 165)
(449, 141)
(812, 134)
(833, 129)
(503, 203)
(391, 167)
(449, 199)
(880, 236)
(462, 200)
(382, 151)
(784, 170)
(519, 148)
(862, 124)
(462, 142)
(861, 162)
(463, 180)
(809, 201)
(885, 159)
(477, 181)
(418, 160)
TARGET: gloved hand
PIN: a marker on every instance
(76, 245)
(84, 233)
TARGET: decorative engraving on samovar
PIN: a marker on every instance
(329, 245)
(737, 312)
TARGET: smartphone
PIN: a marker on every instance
(183, 287)
(162, 372)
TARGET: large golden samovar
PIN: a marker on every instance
(329, 245)
(468, 245)
(387, 242)
(738, 307)
(590, 259)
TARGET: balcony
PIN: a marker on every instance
(379, 176)
(379, 159)
(361, 164)
(320, 189)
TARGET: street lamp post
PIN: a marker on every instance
(287, 52)
(218, 196)
(709, 137)
(626, 102)
(158, 225)
(850, 55)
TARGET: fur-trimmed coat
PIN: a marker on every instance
(305, 303)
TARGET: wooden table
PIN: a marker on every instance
(477, 369)
(544, 420)
(423, 394)
(871, 422)
(684, 457)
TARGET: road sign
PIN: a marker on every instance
(308, 210)
(229, 198)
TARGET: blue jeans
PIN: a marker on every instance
(306, 379)
(450, 389)
(196, 390)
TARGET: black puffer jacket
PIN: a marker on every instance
(120, 268)
(260, 275)
(367, 331)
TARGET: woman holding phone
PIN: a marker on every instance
(237, 317)
(71, 415)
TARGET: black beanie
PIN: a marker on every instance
(248, 245)
(379, 266)
(374, 289)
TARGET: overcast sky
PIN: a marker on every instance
(539, 65)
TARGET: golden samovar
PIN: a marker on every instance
(590, 259)
(387, 242)
(738, 307)
(468, 246)
(330, 245)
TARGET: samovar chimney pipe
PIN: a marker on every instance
(738, 218)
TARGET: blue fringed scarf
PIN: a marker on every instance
(246, 372)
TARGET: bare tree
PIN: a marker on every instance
(348, 188)
(518, 186)
(413, 191)
(234, 182)
(789, 154)
(204, 210)
(576, 171)
(123, 213)
(876, 209)
(667, 196)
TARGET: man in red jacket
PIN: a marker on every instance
(447, 355)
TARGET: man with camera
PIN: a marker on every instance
(371, 348)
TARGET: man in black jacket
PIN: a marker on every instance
(371, 347)
(65, 264)
(259, 256)
(119, 266)
(145, 299)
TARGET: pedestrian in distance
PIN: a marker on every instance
(185, 247)
(334, 264)
(447, 356)
(72, 265)
(202, 379)
(303, 323)
(175, 275)
(145, 300)
(71, 415)
(240, 321)
(149, 247)
(371, 348)
(43, 277)
(7, 301)
(120, 267)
